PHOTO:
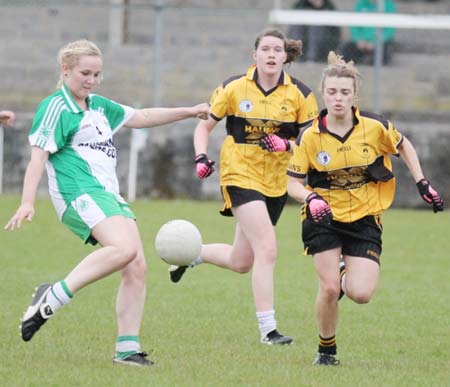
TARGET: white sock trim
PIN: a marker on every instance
(266, 322)
(57, 297)
(197, 261)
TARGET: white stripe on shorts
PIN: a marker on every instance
(88, 210)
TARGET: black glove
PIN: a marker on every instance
(318, 210)
(204, 166)
(430, 195)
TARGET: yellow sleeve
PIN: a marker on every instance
(392, 139)
(308, 110)
(219, 103)
(299, 162)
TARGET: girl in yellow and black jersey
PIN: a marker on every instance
(344, 158)
(353, 172)
(252, 114)
(265, 109)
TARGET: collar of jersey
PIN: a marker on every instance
(320, 127)
(252, 74)
(70, 102)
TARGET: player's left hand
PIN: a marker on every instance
(429, 194)
(202, 111)
(274, 143)
(203, 165)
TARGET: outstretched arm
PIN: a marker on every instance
(31, 180)
(150, 117)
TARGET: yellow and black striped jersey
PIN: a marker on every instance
(252, 113)
(352, 173)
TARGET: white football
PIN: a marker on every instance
(178, 242)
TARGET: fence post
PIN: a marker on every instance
(116, 34)
(157, 51)
(139, 137)
(1, 157)
(378, 62)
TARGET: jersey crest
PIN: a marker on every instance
(245, 106)
(323, 158)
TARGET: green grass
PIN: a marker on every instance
(203, 331)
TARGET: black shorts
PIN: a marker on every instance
(361, 238)
(235, 196)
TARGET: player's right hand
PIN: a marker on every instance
(25, 211)
(429, 195)
(317, 209)
(7, 117)
(203, 165)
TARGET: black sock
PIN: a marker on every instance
(328, 345)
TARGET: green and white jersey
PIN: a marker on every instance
(82, 153)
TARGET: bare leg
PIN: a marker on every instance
(254, 246)
(361, 279)
(118, 250)
(131, 295)
(237, 257)
(123, 251)
(327, 267)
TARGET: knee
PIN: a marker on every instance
(139, 265)
(127, 254)
(330, 290)
(242, 267)
(136, 269)
(267, 255)
(241, 263)
(360, 296)
(265, 258)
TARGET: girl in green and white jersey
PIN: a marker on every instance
(72, 138)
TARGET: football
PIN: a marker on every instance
(178, 242)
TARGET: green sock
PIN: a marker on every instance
(126, 346)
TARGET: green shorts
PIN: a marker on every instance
(89, 209)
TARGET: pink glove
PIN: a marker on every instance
(430, 195)
(274, 143)
(318, 210)
(203, 165)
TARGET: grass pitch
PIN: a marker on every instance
(203, 330)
